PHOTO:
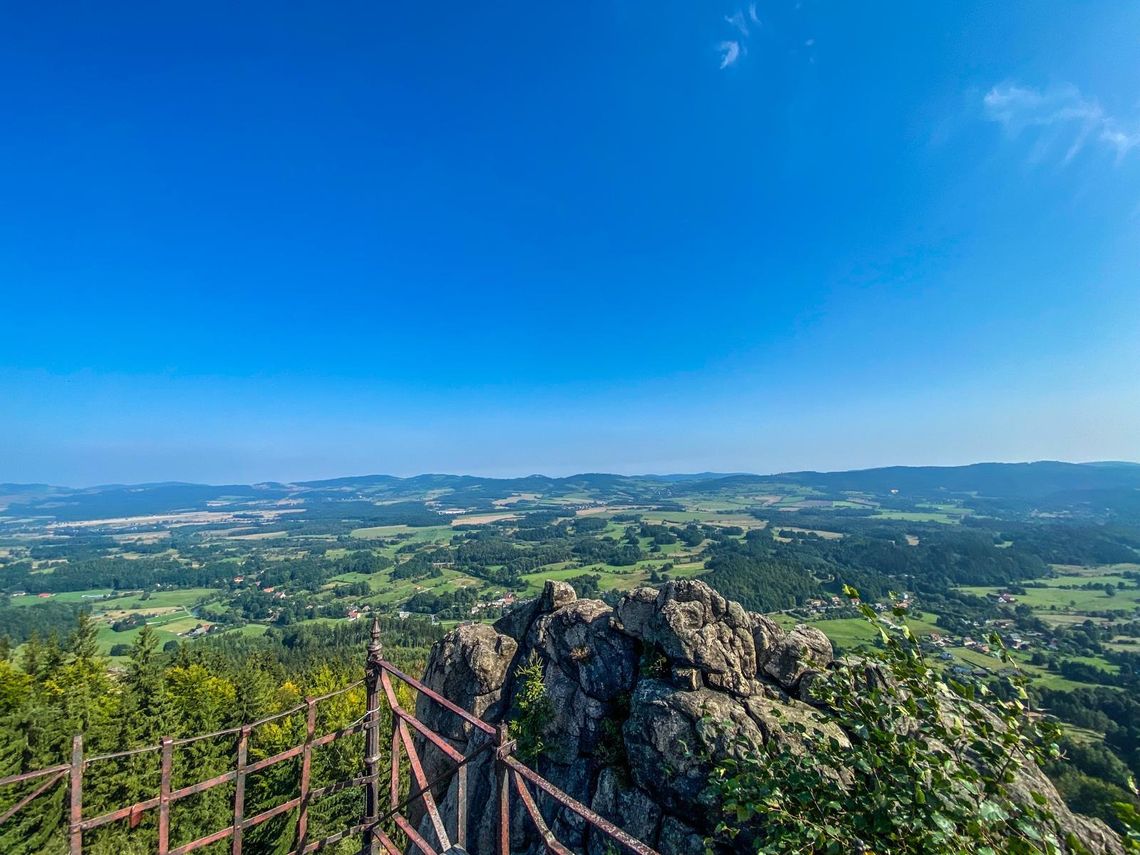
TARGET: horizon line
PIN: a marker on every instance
(585, 473)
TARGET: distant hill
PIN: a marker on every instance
(1050, 484)
(1001, 480)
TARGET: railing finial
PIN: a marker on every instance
(375, 648)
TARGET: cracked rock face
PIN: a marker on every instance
(469, 667)
(645, 698)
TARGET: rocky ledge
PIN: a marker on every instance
(631, 691)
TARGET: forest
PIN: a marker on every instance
(207, 608)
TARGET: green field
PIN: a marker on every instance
(1054, 598)
(850, 633)
(1058, 605)
(920, 516)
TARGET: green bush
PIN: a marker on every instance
(927, 768)
(533, 710)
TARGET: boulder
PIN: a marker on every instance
(578, 637)
(555, 595)
(468, 666)
(803, 649)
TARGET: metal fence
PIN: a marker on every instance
(379, 829)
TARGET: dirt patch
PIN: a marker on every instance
(517, 497)
(826, 535)
(482, 519)
(590, 512)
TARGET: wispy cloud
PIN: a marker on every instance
(743, 22)
(730, 52)
(1062, 116)
(738, 22)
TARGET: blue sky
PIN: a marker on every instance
(252, 241)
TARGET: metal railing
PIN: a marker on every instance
(377, 829)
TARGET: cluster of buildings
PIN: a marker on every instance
(203, 629)
(503, 602)
(1003, 597)
(820, 606)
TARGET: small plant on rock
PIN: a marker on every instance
(533, 708)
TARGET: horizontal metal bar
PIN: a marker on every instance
(435, 696)
(222, 834)
(202, 786)
(30, 776)
(603, 825)
(356, 727)
(192, 789)
(317, 845)
(121, 813)
(267, 815)
(287, 754)
(329, 789)
(117, 755)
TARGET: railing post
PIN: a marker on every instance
(239, 788)
(164, 796)
(372, 668)
(504, 791)
(306, 772)
(75, 832)
(461, 808)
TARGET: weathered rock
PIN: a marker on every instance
(679, 839)
(778, 719)
(810, 685)
(635, 610)
(578, 637)
(567, 826)
(766, 636)
(469, 667)
(673, 739)
(804, 648)
(626, 806)
(688, 679)
(555, 595)
(695, 627)
(517, 621)
(639, 746)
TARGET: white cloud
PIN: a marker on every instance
(730, 52)
(737, 21)
(1062, 111)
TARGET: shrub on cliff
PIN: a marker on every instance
(930, 765)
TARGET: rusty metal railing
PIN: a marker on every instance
(378, 829)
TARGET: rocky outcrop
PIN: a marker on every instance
(645, 697)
